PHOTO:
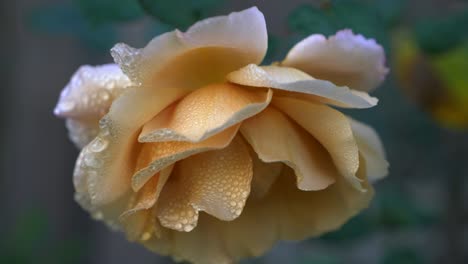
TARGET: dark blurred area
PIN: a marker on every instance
(419, 214)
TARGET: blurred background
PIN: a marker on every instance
(420, 213)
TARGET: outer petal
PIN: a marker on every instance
(87, 98)
(302, 85)
(275, 138)
(217, 182)
(204, 54)
(155, 156)
(285, 213)
(371, 149)
(344, 59)
(242, 35)
(138, 220)
(331, 128)
(205, 112)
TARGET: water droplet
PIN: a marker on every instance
(98, 215)
(91, 161)
(145, 236)
(64, 107)
(104, 95)
(98, 145)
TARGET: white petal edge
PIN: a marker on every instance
(345, 59)
(87, 98)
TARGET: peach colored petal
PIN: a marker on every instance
(264, 175)
(241, 35)
(276, 138)
(205, 54)
(205, 112)
(371, 149)
(285, 213)
(87, 98)
(304, 214)
(331, 128)
(217, 182)
(344, 59)
(138, 220)
(292, 80)
(155, 156)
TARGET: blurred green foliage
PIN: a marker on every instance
(331, 16)
(391, 210)
(179, 13)
(30, 240)
(108, 11)
(438, 35)
(63, 19)
(402, 255)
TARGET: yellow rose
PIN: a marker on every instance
(208, 157)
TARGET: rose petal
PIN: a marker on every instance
(204, 54)
(264, 175)
(217, 182)
(91, 91)
(285, 213)
(304, 214)
(344, 59)
(275, 138)
(155, 156)
(87, 98)
(241, 36)
(138, 219)
(371, 149)
(205, 112)
(331, 128)
(295, 81)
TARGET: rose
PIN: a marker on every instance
(198, 127)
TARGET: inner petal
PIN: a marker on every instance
(205, 112)
(292, 82)
(138, 220)
(331, 128)
(155, 156)
(274, 138)
(264, 175)
(217, 182)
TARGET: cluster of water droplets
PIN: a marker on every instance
(94, 156)
(91, 91)
(128, 59)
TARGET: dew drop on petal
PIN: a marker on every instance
(145, 236)
(98, 145)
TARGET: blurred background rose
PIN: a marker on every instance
(419, 214)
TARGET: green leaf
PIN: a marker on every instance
(435, 36)
(179, 13)
(104, 11)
